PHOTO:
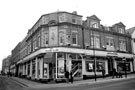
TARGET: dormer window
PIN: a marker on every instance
(107, 28)
(94, 25)
(121, 30)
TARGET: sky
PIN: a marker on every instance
(17, 16)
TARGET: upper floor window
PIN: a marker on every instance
(29, 47)
(121, 30)
(62, 18)
(94, 25)
(122, 45)
(74, 20)
(95, 41)
(44, 20)
(61, 37)
(34, 44)
(46, 39)
(39, 41)
(74, 37)
(110, 43)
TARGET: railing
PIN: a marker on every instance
(76, 69)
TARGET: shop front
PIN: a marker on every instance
(51, 64)
(89, 66)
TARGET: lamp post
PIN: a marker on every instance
(124, 59)
(95, 65)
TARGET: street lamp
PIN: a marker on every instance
(124, 59)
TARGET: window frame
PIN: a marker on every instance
(62, 37)
(74, 44)
(121, 30)
(96, 43)
(74, 22)
(111, 43)
(46, 38)
(94, 24)
(122, 45)
(62, 18)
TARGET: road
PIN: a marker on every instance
(127, 84)
(8, 84)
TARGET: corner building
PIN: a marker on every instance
(61, 41)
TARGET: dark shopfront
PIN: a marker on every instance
(119, 64)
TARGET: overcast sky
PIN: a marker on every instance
(17, 16)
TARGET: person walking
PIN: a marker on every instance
(120, 72)
(67, 76)
(114, 73)
(103, 72)
(71, 77)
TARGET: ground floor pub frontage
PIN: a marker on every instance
(52, 64)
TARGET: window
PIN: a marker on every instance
(29, 47)
(94, 25)
(74, 38)
(62, 18)
(110, 43)
(34, 44)
(107, 28)
(95, 41)
(134, 40)
(44, 20)
(61, 37)
(33, 68)
(28, 68)
(74, 21)
(90, 67)
(39, 41)
(121, 30)
(122, 45)
(121, 66)
(46, 39)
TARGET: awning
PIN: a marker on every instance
(49, 57)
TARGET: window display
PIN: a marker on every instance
(90, 66)
(45, 70)
(121, 66)
(60, 67)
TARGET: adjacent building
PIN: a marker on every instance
(62, 41)
(14, 66)
(131, 31)
(6, 64)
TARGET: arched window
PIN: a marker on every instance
(94, 25)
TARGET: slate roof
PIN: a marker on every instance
(130, 30)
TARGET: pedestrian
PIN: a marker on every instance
(103, 72)
(67, 76)
(120, 72)
(113, 72)
(71, 77)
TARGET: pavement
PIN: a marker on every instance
(35, 84)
